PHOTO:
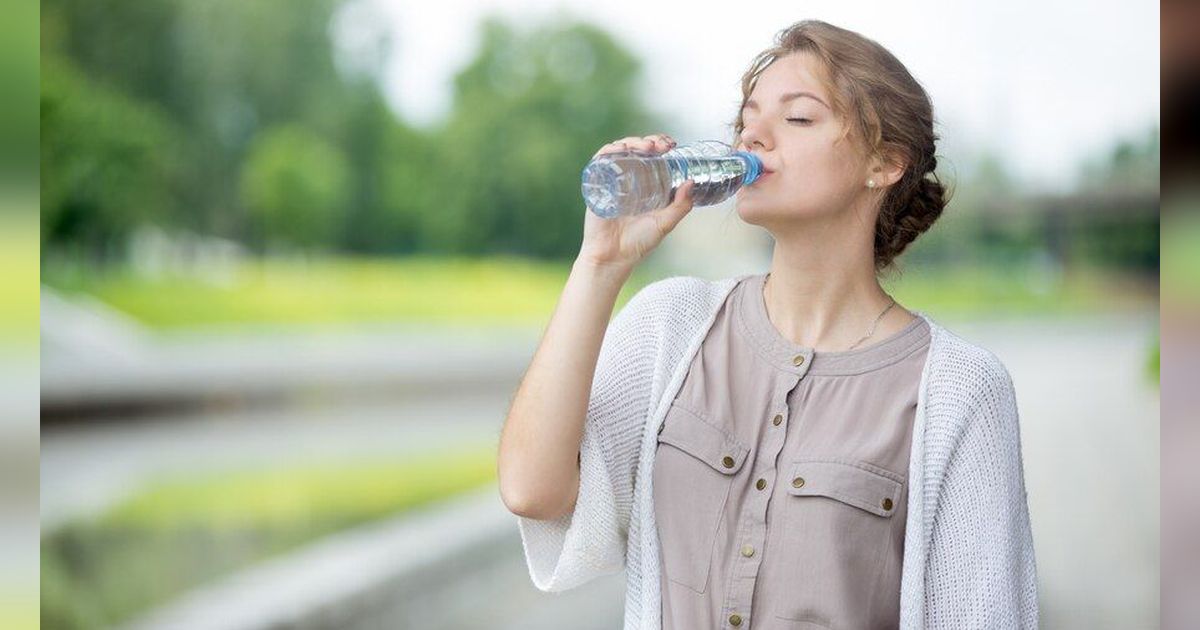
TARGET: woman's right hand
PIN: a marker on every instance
(621, 242)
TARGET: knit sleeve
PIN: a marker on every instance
(591, 541)
(982, 572)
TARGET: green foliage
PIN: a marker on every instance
(1132, 164)
(234, 91)
(295, 184)
(179, 533)
(184, 114)
(528, 111)
(107, 162)
(992, 219)
(19, 107)
(406, 201)
(221, 72)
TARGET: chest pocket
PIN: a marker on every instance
(694, 467)
(861, 485)
(836, 526)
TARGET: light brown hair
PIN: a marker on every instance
(884, 108)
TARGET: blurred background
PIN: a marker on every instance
(295, 256)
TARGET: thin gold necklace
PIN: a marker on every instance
(889, 306)
(875, 323)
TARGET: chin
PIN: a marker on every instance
(774, 217)
(749, 212)
(761, 210)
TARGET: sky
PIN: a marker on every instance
(1044, 84)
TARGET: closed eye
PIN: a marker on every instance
(804, 120)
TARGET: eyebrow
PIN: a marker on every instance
(790, 96)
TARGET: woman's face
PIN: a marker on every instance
(797, 138)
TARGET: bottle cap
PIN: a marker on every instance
(754, 167)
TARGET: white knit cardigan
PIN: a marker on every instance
(968, 553)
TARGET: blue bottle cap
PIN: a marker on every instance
(754, 167)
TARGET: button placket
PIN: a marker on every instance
(752, 530)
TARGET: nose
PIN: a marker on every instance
(753, 134)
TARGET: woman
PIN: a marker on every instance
(792, 449)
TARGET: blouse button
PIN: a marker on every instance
(798, 482)
(777, 419)
(798, 359)
(728, 461)
(747, 551)
(760, 484)
(735, 619)
(887, 504)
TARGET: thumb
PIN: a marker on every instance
(682, 204)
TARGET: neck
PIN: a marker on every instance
(825, 295)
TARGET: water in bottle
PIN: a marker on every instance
(632, 182)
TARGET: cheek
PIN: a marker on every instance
(821, 169)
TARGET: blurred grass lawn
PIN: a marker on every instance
(509, 290)
(1180, 249)
(19, 282)
(177, 534)
(337, 291)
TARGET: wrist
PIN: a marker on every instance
(605, 272)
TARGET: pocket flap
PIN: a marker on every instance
(696, 437)
(860, 484)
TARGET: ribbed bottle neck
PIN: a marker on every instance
(754, 167)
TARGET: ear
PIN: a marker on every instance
(887, 169)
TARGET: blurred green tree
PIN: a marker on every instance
(528, 112)
(219, 71)
(107, 164)
(216, 93)
(295, 185)
(1132, 165)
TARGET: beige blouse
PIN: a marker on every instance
(780, 477)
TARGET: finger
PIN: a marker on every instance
(662, 141)
(616, 146)
(643, 144)
(659, 145)
(627, 143)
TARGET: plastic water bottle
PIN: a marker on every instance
(632, 182)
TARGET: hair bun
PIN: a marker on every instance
(913, 219)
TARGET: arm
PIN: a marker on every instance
(590, 540)
(981, 567)
(539, 453)
(568, 450)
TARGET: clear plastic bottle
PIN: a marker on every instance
(632, 182)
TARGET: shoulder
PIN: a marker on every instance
(678, 290)
(967, 377)
(955, 357)
(680, 302)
